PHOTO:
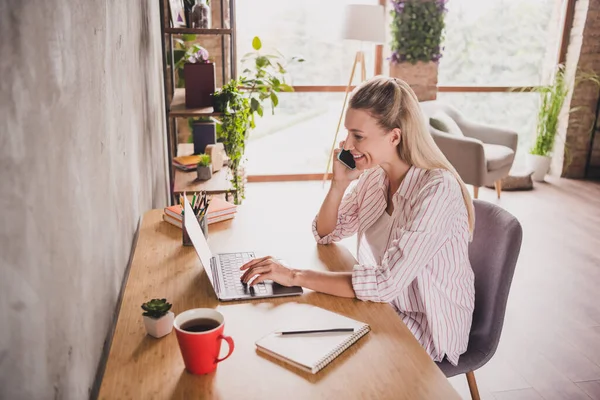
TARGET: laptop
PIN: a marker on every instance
(223, 270)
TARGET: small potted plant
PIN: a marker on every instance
(158, 320)
(204, 168)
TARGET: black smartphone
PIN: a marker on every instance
(346, 158)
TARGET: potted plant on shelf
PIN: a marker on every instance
(204, 168)
(417, 33)
(158, 320)
(239, 101)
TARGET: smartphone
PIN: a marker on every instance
(347, 159)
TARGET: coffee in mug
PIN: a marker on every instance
(200, 334)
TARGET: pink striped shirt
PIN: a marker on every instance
(425, 272)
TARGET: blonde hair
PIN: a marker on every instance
(394, 104)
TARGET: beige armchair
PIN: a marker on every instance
(482, 154)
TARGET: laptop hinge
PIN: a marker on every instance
(215, 274)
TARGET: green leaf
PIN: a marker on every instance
(274, 99)
(256, 43)
(286, 88)
(262, 61)
(254, 104)
(178, 55)
(188, 37)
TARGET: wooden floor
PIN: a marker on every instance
(550, 345)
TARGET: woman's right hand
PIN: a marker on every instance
(342, 175)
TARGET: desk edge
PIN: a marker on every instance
(103, 361)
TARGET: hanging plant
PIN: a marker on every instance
(417, 30)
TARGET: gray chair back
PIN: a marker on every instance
(493, 254)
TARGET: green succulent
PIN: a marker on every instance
(204, 160)
(156, 308)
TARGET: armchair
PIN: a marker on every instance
(484, 155)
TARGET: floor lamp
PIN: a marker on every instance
(364, 23)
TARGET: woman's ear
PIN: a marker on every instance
(395, 136)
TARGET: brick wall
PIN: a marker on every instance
(584, 56)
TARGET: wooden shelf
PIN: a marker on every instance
(187, 181)
(198, 31)
(178, 108)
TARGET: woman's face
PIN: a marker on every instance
(368, 142)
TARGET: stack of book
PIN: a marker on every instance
(186, 163)
(218, 210)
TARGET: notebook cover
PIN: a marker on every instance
(311, 352)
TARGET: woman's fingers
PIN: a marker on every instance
(255, 271)
(254, 262)
(261, 278)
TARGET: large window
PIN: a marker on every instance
(499, 42)
(506, 43)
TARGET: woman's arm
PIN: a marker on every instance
(338, 214)
(334, 283)
(326, 220)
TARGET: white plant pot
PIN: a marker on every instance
(539, 165)
(161, 326)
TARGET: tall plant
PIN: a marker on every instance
(417, 30)
(552, 99)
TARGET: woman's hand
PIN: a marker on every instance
(343, 175)
(267, 268)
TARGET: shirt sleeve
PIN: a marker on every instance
(347, 220)
(427, 229)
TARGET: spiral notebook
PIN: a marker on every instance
(311, 352)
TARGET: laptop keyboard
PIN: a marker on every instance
(230, 266)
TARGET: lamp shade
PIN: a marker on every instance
(365, 23)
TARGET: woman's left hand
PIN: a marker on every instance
(267, 268)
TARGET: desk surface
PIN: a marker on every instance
(386, 363)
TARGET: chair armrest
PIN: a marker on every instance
(489, 134)
(465, 154)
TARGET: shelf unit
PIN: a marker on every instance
(175, 97)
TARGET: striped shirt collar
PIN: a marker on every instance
(407, 185)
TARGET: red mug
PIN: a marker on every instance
(200, 334)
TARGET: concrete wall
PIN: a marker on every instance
(82, 157)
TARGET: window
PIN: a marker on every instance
(499, 42)
(507, 43)
(310, 28)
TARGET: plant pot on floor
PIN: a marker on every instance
(203, 134)
(204, 172)
(199, 84)
(539, 165)
(159, 327)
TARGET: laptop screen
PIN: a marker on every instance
(197, 238)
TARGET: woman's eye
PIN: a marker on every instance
(358, 137)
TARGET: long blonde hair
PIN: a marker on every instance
(394, 104)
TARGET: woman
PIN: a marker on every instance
(413, 215)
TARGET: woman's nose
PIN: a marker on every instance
(348, 145)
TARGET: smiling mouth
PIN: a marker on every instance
(358, 156)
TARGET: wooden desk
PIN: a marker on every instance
(220, 183)
(386, 363)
